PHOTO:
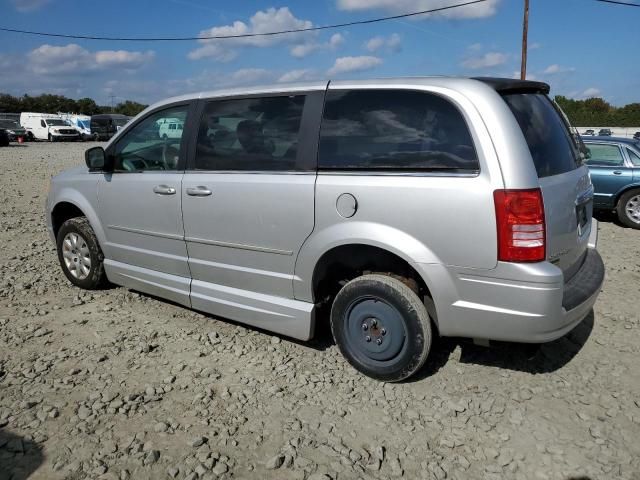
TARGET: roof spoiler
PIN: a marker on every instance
(509, 85)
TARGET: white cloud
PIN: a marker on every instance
(269, 20)
(392, 42)
(73, 59)
(534, 46)
(591, 92)
(488, 60)
(336, 40)
(298, 75)
(475, 47)
(29, 5)
(354, 64)
(555, 68)
(123, 58)
(375, 43)
(304, 49)
(246, 76)
(478, 10)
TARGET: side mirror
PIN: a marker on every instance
(96, 159)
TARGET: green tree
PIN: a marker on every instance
(129, 108)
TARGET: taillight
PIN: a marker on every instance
(520, 221)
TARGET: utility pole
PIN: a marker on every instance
(112, 97)
(525, 33)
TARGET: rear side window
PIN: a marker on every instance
(546, 133)
(394, 130)
(250, 134)
(605, 155)
(633, 156)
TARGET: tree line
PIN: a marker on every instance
(582, 113)
(47, 103)
(596, 112)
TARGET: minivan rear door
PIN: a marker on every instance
(566, 188)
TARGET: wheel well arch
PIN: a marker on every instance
(623, 191)
(346, 262)
(62, 212)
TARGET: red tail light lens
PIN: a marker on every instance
(521, 228)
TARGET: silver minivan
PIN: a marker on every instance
(410, 207)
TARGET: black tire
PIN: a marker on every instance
(96, 276)
(624, 215)
(398, 341)
(50, 138)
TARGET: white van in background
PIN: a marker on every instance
(46, 126)
(82, 123)
(171, 128)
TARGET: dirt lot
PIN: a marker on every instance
(114, 384)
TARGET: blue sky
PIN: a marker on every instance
(581, 47)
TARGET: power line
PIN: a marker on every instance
(616, 2)
(244, 35)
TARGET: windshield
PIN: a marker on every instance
(120, 122)
(54, 122)
(10, 124)
(83, 124)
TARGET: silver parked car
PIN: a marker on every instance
(411, 207)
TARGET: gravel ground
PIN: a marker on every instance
(114, 384)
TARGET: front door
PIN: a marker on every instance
(609, 172)
(140, 204)
(248, 205)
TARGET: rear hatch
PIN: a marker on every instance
(566, 187)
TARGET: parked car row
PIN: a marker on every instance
(605, 132)
(62, 127)
(614, 164)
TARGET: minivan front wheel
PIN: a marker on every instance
(80, 255)
(628, 209)
(381, 327)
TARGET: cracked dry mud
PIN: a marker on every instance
(114, 384)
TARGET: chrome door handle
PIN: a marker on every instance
(164, 190)
(617, 172)
(199, 191)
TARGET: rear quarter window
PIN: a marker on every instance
(394, 130)
(547, 136)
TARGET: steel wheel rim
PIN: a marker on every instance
(375, 331)
(632, 209)
(76, 255)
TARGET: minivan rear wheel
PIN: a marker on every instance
(628, 209)
(381, 327)
(80, 254)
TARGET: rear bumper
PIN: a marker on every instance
(529, 303)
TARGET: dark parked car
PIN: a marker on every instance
(4, 138)
(615, 173)
(105, 126)
(589, 132)
(604, 132)
(13, 129)
(636, 136)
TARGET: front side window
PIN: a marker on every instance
(394, 130)
(250, 134)
(42, 124)
(605, 155)
(144, 147)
